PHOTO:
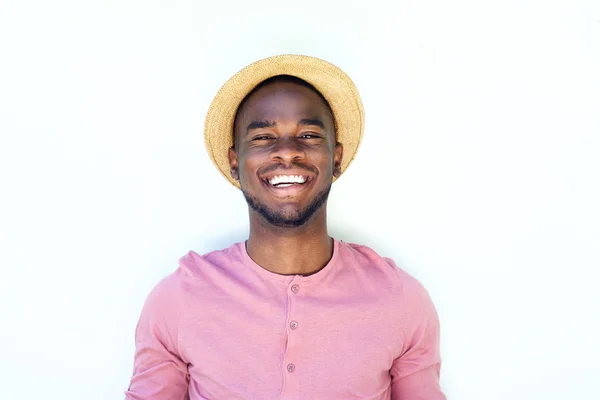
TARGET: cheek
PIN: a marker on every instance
(326, 161)
(248, 167)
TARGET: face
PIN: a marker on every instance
(285, 154)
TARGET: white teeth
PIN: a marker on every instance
(287, 179)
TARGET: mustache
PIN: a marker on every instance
(284, 167)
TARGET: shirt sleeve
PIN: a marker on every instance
(416, 372)
(159, 373)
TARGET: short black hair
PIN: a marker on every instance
(281, 79)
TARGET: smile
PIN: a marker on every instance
(282, 181)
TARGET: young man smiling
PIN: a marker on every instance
(291, 313)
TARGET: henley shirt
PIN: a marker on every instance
(222, 328)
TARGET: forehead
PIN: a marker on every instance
(284, 101)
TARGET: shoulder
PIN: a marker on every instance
(208, 266)
(193, 272)
(385, 271)
(368, 259)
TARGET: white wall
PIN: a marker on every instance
(478, 174)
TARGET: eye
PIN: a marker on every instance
(261, 137)
(310, 135)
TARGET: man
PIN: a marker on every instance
(291, 313)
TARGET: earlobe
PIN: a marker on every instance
(233, 164)
(337, 159)
(337, 171)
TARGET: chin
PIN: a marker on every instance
(287, 215)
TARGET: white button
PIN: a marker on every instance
(295, 288)
(291, 368)
(293, 324)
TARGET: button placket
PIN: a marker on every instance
(293, 348)
(295, 288)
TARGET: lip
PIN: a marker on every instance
(290, 191)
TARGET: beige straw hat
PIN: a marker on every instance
(332, 82)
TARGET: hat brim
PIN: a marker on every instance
(337, 87)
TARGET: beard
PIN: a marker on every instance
(288, 219)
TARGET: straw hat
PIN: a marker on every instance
(332, 82)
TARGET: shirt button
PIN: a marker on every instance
(291, 368)
(293, 324)
(295, 288)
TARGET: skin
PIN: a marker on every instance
(285, 128)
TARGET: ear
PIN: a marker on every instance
(233, 163)
(338, 153)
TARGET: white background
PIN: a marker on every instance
(478, 173)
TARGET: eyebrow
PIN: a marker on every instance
(260, 124)
(311, 121)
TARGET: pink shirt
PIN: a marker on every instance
(223, 328)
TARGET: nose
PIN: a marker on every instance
(287, 149)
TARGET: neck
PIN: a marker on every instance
(301, 250)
